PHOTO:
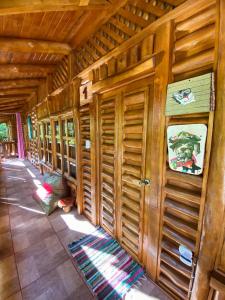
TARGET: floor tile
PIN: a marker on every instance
(9, 282)
(30, 231)
(4, 224)
(17, 296)
(6, 247)
(39, 259)
(4, 209)
(62, 283)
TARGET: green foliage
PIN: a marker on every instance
(4, 132)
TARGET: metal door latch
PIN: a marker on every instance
(145, 182)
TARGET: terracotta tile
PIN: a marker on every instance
(4, 224)
(17, 296)
(6, 248)
(60, 284)
(20, 242)
(30, 233)
(67, 236)
(4, 209)
(146, 291)
(39, 259)
(9, 282)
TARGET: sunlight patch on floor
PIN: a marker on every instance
(31, 173)
(16, 178)
(135, 294)
(37, 182)
(8, 199)
(77, 225)
(24, 207)
(18, 163)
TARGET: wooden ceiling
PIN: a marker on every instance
(35, 36)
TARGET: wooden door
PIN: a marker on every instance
(123, 129)
(107, 163)
(88, 202)
(133, 145)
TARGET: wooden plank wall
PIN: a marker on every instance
(87, 162)
(183, 196)
(119, 122)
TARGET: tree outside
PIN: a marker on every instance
(4, 132)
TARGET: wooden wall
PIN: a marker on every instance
(118, 107)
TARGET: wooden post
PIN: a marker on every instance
(155, 146)
(215, 205)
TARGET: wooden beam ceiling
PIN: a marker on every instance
(12, 98)
(29, 71)
(9, 7)
(93, 22)
(20, 83)
(33, 46)
(17, 91)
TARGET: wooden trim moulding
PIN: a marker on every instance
(143, 69)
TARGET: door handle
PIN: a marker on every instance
(145, 182)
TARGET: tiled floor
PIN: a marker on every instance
(34, 261)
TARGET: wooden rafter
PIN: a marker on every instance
(92, 23)
(174, 2)
(7, 70)
(113, 34)
(133, 18)
(8, 7)
(12, 99)
(101, 50)
(13, 103)
(149, 7)
(12, 110)
(20, 83)
(122, 27)
(105, 41)
(33, 46)
(17, 91)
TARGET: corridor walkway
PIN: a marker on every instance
(34, 260)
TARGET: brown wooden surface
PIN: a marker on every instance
(126, 55)
(214, 217)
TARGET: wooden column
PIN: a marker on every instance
(215, 205)
(155, 145)
(75, 90)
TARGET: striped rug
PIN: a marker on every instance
(107, 268)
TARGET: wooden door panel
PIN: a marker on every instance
(107, 163)
(134, 117)
(86, 161)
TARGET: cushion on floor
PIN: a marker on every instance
(53, 189)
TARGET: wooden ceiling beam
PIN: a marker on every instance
(20, 83)
(11, 110)
(8, 70)
(149, 7)
(174, 2)
(9, 7)
(33, 46)
(8, 104)
(17, 91)
(9, 100)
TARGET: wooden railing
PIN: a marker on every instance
(8, 149)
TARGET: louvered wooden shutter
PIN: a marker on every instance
(107, 163)
(183, 205)
(134, 118)
(86, 161)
